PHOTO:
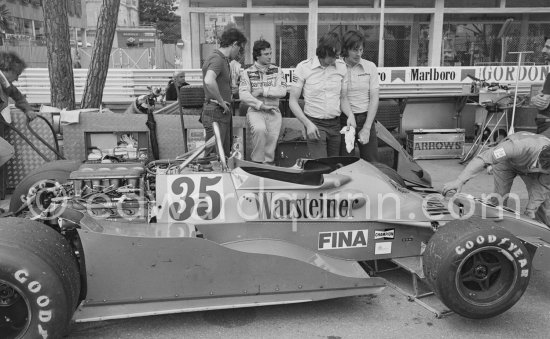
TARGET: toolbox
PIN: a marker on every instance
(435, 143)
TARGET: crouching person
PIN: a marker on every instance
(521, 154)
(261, 86)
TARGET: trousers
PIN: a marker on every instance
(265, 128)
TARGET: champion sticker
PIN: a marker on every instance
(343, 239)
(499, 153)
(382, 248)
(386, 234)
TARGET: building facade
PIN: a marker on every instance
(399, 32)
(26, 22)
(129, 33)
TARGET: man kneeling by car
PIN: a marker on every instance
(524, 154)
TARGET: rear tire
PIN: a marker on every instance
(477, 269)
(39, 281)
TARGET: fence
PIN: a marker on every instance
(163, 56)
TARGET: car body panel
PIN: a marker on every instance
(137, 275)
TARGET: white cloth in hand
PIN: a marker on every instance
(349, 137)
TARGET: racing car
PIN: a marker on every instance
(98, 241)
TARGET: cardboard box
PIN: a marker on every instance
(435, 143)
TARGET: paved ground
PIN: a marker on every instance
(387, 315)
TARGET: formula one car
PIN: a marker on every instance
(118, 240)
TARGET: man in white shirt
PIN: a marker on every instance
(323, 81)
(363, 89)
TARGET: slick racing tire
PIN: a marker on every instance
(390, 172)
(477, 269)
(39, 281)
(56, 171)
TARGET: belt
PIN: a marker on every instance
(214, 101)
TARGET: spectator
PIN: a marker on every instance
(179, 81)
(262, 84)
(217, 87)
(363, 90)
(323, 81)
(11, 67)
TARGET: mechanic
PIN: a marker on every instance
(524, 154)
(363, 89)
(179, 81)
(262, 84)
(11, 67)
(217, 87)
(542, 100)
(323, 79)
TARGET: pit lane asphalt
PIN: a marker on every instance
(386, 315)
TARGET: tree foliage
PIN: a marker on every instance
(99, 65)
(4, 21)
(153, 11)
(56, 29)
(161, 13)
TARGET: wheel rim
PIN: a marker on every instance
(486, 276)
(15, 316)
(44, 196)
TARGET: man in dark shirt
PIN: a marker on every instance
(179, 81)
(217, 87)
(11, 67)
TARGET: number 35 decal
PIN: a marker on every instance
(202, 202)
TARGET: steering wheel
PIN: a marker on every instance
(216, 139)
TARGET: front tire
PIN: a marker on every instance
(476, 268)
(56, 171)
(39, 281)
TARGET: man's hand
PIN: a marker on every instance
(31, 115)
(351, 121)
(226, 107)
(312, 131)
(364, 135)
(271, 108)
(529, 214)
(455, 185)
(541, 101)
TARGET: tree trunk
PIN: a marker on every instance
(60, 66)
(99, 65)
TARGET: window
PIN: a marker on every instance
(472, 3)
(530, 3)
(70, 5)
(411, 3)
(77, 8)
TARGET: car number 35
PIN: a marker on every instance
(196, 197)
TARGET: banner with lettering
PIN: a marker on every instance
(505, 75)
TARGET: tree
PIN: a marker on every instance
(161, 13)
(99, 65)
(4, 21)
(153, 11)
(56, 29)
